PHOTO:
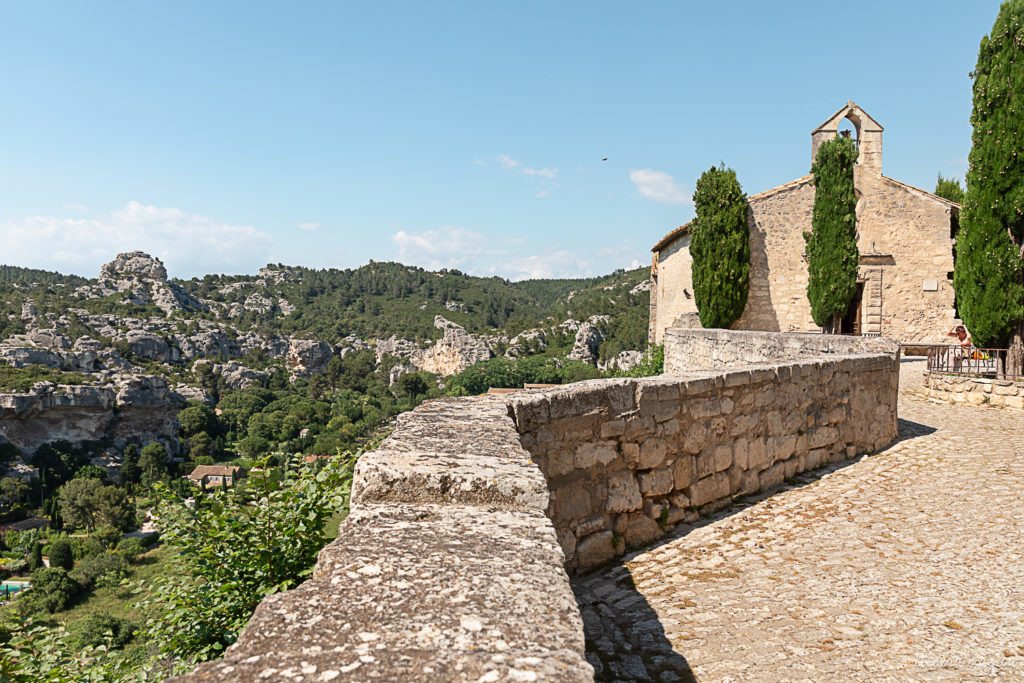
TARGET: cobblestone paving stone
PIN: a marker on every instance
(904, 565)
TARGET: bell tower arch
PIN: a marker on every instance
(868, 136)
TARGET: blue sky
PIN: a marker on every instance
(223, 136)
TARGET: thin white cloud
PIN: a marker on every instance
(542, 194)
(476, 253)
(310, 227)
(189, 244)
(659, 186)
(508, 162)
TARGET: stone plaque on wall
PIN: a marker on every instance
(931, 285)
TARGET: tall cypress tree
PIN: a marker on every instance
(989, 272)
(720, 247)
(832, 255)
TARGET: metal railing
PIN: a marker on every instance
(957, 360)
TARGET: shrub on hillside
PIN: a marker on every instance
(61, 554)
(100, 570)
(96, 629)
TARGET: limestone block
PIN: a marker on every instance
(670, 428)
(820, 437)
(773, 476)
(694, 438)
(623, 493)
(631, 454)
(652, 453)
(675, 515)
(567, 541)
(815, 458)
(613, 428)
(757, 454)
(594, 549)
(751, 482)
(714, 459)
(571, 502)
(601, 453)
(740, 453)
(679, 500)
(641, 530)
(684, 471)
(558, 462)
(591, 525)
(744, 424)
(656, 482)
(455, 477)
(709, 488)
(780, 447)
(709, 407)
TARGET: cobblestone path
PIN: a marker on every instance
(904, 565)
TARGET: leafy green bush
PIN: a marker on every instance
(234, 548)
(52, 590)
(103, 569)
(100, 629)
(61, 554)
(131, 548)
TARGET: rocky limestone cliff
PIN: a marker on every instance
(138, 408)
(453, 353)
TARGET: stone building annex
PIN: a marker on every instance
(905, 237)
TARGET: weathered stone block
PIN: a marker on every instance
(684, 471)
(694, 438)
(652, 453)
(713, 460)
(589, 455)
(571, 502)
(612, 428)
(623, 493)
(821, 437)
(631, 454)
(656, 482)
(773, 476)
(641, 530)
(594, 549)
(709, 488)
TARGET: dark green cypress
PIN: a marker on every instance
(989, 272)
(720, 247)
(832, 255)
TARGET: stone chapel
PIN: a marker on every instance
(906, 237)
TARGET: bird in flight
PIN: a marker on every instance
(605, 159)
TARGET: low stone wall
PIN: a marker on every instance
(446, 569)
(626, 460)
(974, 390)
(688, 349)
(453, 562)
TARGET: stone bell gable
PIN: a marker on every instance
(906, 237)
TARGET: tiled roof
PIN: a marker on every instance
(213, 471)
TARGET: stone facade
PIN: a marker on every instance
(974, 390)
(905, 238)
(453, 562)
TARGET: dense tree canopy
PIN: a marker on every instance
(989, 273)
(832, 255)
(720, 246)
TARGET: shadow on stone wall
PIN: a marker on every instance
(625, 636)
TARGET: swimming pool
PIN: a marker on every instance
(9, 588)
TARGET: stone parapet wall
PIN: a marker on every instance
(447, 569)
(626, 460)
(688, 349)
(974, 390)
(453, 564)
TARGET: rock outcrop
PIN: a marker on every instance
(130, 408)
(238, 376)
(453, 353)
(584, 348)
(307, 357)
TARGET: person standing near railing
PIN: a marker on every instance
(963, 337)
